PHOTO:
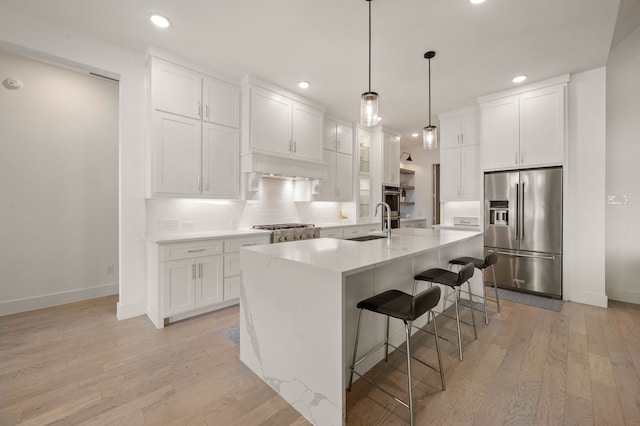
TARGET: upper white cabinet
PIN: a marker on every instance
(459, 128)
(337, 136)
(337, 155)
(390, 159)
(194, 133)
(459, 156)
(524, 130)
(284, 127)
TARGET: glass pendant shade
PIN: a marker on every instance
(430, 137)
(369, 109)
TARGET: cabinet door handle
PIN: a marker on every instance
(208, 111)
(199, 270)
(291, 145)
(198, 182)
(248, 244)
(199, 109)
(458, 139)
(294, 146)
(193, 271)
(195, 251)
(206, 183)
(521, 157)
(462, 139)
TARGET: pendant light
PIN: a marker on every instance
(369, 100)
(430, 133)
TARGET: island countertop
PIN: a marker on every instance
(349, 257)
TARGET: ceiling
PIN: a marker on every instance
(479, 48)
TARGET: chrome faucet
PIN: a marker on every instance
(385, 205)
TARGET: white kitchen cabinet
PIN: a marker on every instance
(284, 127)
(337, 136)
(459, 128)
(332, 233)
(460, 174)
(524, 130)
(337, 155)
(221, 168)
(193, 277)
(194, 134)
(390, 159)
(177, 149)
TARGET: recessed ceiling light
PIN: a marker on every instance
(303, 84)
(519, 78)
(415, 135)
(476, 1)
(160, 21)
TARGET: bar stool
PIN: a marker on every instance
(481, 264)
(455, 281)
(400, 305)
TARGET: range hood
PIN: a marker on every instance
(264, 164)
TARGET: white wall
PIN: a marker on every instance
(584, 215)
(38, 37)
(59, 186)
(623, 170)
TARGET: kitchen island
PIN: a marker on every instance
(298, 308)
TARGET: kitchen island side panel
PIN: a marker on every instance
(291, 333)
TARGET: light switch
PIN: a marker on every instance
(619, 199)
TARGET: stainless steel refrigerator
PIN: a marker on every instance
(523, 223)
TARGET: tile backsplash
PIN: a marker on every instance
(272, 203)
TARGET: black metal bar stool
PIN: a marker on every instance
(481, 264)
(454, 281)
(398, 304)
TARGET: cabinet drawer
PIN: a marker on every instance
(190, 249)
(332, 233)
(232, 288)
(231, 264)
(371, 228)
(235, 244)
(356, 231)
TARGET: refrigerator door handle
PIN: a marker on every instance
(526, 255)
(522, 212)
(517, 212)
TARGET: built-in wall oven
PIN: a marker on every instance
(391, 196)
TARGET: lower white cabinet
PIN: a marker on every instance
(193, 277)
(349, 231)
(191, 283)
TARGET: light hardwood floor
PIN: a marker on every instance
(78, 364)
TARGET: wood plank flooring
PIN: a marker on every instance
(77, 364)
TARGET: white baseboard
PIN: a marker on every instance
(131, 310)
(48, 300)
(622, 295)
(589, 298)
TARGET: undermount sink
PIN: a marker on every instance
(366, 238)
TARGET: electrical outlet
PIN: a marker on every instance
(619, 199)
(169, 224)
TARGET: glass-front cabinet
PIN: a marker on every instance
(363, 180)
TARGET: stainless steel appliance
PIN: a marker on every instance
(523, 223)
(391, 196)
(290, 231)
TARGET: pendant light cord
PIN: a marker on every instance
(369, 45)
(429, 78)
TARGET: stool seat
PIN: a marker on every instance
(400, 305)
(481, 264)
(440, 276)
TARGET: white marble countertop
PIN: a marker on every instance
(349, 257)
(203, 235)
